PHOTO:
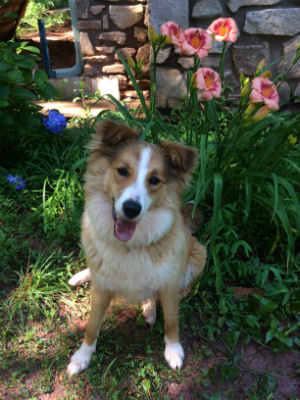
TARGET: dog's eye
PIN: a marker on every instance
(154, 180)
(123, 171)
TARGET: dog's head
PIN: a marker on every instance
(138, 178)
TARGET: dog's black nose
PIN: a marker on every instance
(131, 208)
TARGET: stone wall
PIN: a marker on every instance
(106, 26)
(268, 29)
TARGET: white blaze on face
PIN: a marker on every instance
(138, 191)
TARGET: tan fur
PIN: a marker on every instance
(162, 259)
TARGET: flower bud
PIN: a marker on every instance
(130, 62)
(260, 67)
(292, 140)
(267, 74)
(245, 91)
(261, 114)
(249, 110)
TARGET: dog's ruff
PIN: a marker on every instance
(136, 234)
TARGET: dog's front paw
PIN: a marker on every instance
(174, 355)
(80, 359)
(80, 278)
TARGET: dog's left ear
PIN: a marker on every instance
(181, 156)
(109, 133)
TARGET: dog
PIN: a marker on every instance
(135, 233)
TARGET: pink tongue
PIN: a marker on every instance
(125, 229)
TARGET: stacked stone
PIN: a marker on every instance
(108, 26)
(268, 30)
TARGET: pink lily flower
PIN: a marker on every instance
(264, 91)
(224, 29)
(209, 82)
(174, 32)
(196, 41)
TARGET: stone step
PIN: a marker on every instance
(80, 110)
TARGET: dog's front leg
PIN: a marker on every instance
(169, 298)
(100, 300)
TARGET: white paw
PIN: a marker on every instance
(80, 278)
(174, 354)
(149, 311)
(81, 359)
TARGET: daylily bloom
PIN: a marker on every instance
(264, 91)
(224, 29)
(174, 32)
(196, 41)
(209, 81)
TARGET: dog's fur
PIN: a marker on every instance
(144, 254)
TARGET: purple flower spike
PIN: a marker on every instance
(56, 122)
(17, 181)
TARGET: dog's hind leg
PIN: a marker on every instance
(100, 300)
(149, 311)
(80, 278)
(195, 265)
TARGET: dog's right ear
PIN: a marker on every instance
(109, 133)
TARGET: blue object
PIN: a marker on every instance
(44, 47)
(17, 181)
(56, 122)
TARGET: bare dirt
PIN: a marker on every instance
(60, 46)
(254, 361)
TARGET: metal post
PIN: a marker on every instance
(45, 52)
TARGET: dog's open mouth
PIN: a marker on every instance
(124, 229)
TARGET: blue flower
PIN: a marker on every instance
(56, 122)
(18, 182)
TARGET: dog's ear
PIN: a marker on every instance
(181, 156)
(109, 133)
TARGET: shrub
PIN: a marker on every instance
(20, 81)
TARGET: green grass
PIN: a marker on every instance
(40, 314)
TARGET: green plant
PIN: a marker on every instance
(18, 84)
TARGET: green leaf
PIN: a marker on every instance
(4, 67)
(21, 93)
(31, 48)
(229, 373)
(40, 77)
(15, 76)
(4, 90)
(48, 92)
(3, 103)
(10, 15)
(146, 130)
(268, 306)
(146, 385)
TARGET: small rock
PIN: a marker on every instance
(114, 69)
(140, 34)
(207, 9)
(234, 5)
(89, 25)
(96, 10)
(125, 52)
(105, 22)
(279, 22)
(86, 46)
(117, 37)
(126, 16)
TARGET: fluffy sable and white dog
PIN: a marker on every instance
(135, 233)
